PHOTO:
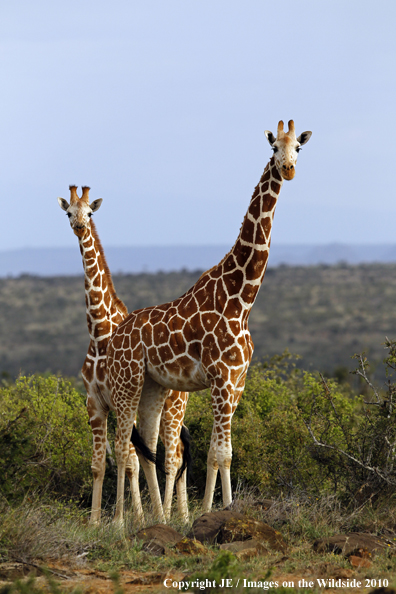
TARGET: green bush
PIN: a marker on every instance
(272, 448)
(45, 439)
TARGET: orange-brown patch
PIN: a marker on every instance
(96, 282)
(233, 309)
(147, 335)
(177, 342)
(247, 231)
(255, 268)
(233, 282)
(209, 349)
(275, 174)
(194, 350)
(249, 293)
(102, 328)
(188, 307)
(173, 368)
(216, 272)
(101, 372)
(269, 203)
(165, 353)
(256, 191)
(260, 237)
(275, 187)
(221, 296)
(193, 329)
(209, 321)
(264, 187)
(235, 327)
(232, 356)
(156, 315)
(241, 253)
(207, 304)
(107, 300)
(160, 333)
(153, 356)
(255, 207)
(229, 263)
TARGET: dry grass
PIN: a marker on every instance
(41, 532)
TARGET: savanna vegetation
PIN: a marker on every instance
(323, 450)
(323, 313)
(320, 445)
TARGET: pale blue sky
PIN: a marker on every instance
(161, 107)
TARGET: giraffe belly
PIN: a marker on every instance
(178, 379)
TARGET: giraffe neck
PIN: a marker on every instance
(245, 265)
(103, 308)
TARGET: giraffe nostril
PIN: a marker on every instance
(284, 167)
(291, 166)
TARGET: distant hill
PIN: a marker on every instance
(126, 260)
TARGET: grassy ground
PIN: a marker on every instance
(59, 537)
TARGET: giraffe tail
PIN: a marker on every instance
(187, 457)
(143, 450)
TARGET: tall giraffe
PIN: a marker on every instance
(104, 312)
(202, 339)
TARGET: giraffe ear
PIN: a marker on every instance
(95, 205)
(304, 137)
(270, 137)
(63, 203)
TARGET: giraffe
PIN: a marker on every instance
(104, 312)
(200, 340)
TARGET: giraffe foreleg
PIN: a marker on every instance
(211, 473)
(125, 423)
(170, 432)
(98, 422)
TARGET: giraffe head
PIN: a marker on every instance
(79, 210)
(286, 148)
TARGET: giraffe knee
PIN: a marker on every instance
(212, 460)
(97, 472)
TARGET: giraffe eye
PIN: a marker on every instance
(69, 214)
(90, 214)
(275, 149)
(298, 149)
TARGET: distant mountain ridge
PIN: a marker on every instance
(67, 261)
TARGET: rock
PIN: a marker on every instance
(245, 528)
(342, 573)
(188, 546)
(156, 538)
(14, 571)
(348, 544)
(263, 504)
(359, 561)
(207, 526)
(245, 549)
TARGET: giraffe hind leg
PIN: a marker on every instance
(132, 472)
(150, 409)
(184, 474)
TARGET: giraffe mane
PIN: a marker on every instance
(118, 302)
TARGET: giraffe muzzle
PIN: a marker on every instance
(288, 172)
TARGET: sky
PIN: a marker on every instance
(160, 107)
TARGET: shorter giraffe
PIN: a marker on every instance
(104, 312)
(202, 339)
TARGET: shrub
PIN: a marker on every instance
(45, 439)
(272, 448)
(361, 446)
